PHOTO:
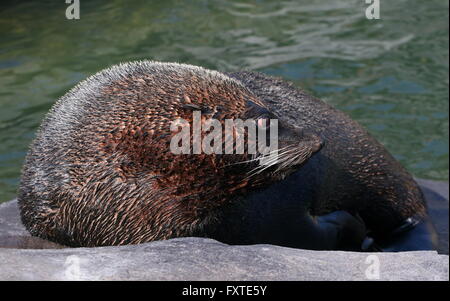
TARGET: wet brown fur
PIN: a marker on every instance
(110, 178)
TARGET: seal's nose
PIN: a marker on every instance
(292, 134)
(318, 143)
(308, 135)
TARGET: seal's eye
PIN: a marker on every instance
(194, 107)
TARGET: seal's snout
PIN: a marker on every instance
(310, 138)
(317, 143)
(306, 141)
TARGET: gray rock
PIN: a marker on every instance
(205, 259)
(439, 187)
(14, 235)
(10, 223)
(436, 194)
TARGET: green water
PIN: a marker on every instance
(390, 74)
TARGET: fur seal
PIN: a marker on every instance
(352, 172)
(100, 171)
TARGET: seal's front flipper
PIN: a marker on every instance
(345, 231)
(413, 235)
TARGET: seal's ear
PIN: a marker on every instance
(190, 106)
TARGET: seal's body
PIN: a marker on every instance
(381, 188)
(100, 171)
(352, 171)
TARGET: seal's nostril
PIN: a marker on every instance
(319, 145)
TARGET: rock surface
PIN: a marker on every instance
(206, 259)
(436, 194)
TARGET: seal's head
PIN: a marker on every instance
(135, 154)
(292, 145)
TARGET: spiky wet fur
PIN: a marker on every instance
(100, 171)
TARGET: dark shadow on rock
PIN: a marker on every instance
(27, 242)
